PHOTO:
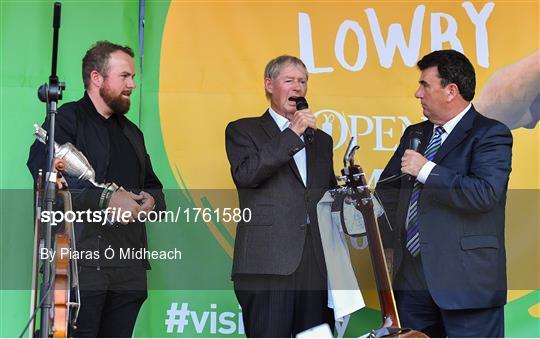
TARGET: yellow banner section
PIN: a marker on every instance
(361, 56)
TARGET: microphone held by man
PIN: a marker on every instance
(303, 117)
(301, 104)
(414, 144)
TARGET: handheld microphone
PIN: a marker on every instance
(415, 140)
(301, 104)
(414, 144)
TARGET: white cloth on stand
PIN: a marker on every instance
(344, 295)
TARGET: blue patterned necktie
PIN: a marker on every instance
(413, 237)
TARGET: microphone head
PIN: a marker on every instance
(415, 140)
(301, 103)
(415, 143)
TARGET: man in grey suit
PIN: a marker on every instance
(280, 173)
(448, 212)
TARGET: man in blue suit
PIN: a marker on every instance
(447, 213)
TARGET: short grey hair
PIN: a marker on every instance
(273, 67)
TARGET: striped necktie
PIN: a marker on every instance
(413, 236)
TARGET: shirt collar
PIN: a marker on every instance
(451, 124)
(280, 120)
(91, 110)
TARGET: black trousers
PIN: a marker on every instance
(110, 301)
(418, 310)
(283, 306)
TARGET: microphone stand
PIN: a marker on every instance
(50, 94)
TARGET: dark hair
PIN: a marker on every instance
(453, 67)
(274, 66)
(97, 58)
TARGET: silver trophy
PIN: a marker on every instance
(76, 163)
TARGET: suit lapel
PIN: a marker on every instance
(427, 133)
(269, 125)
(457, 135)
(139, 150)
(272, 130)
(97, 122)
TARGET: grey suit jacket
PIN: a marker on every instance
(268, 183)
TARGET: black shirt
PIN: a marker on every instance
(123, 170)
(123, 167)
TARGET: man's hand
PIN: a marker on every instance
(301, 120)
(125, 202)
(148, 202)
(412, 162)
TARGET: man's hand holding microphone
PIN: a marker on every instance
(303, 121)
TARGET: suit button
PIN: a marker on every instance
(303, 226)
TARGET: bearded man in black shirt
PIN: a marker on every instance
(112, 290)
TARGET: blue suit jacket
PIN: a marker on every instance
(461, 212)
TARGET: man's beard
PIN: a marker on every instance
(118, 104)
